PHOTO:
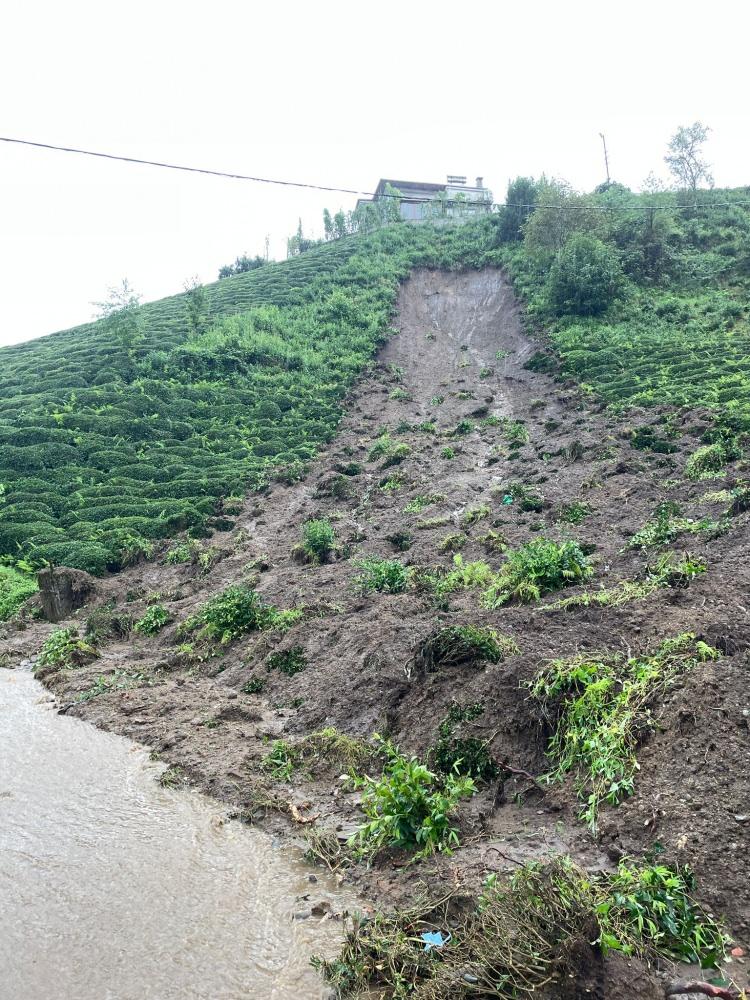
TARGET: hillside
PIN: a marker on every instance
(508, 537)
(105, 448)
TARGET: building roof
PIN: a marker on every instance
(405, 187)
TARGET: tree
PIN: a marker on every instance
(327, 224)
(121, 315)
(520, 202)
(560, 212)
(242, 264)
(197, 307)
(585, 278)
(685, 159)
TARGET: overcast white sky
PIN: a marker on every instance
(328, 92)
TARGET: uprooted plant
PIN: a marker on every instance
(65, 648)
(527, 933)
(235, 612)
(597, 708)
(456, 754)
(408, 806)
(454, 645)
(536, 568)
(667, 571)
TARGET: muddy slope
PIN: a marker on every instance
(459, 355)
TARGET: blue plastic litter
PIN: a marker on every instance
(507, 499)
(434, 939)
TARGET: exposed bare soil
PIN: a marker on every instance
(692, 791)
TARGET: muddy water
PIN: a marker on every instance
(113, 888)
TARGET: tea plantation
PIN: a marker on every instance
(678, 331)
(103, 448)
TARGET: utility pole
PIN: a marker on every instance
(606, 159)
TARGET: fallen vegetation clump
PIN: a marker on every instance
(387, 576)
(536, 568)
(454, 645)
(235, 612)
(668, 571)
(318, 542)
(65, 648)
(597, 708)
(526, 933)
(667, 524)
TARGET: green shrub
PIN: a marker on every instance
(153, 620)
(401, 541)
(472, 515)
(396, 455)
(318, 540)
(712, 458)
(455, 645)
(409, 807)
(585, 278)
(462, 428)
(453, 542)
(15, 588)
(281, 760)
(386, 575)
(229, 615)
(65, 648)
(418, 503)
(535, 569)
(574, 513)
(289, 661)
(667, 524)
(447, 453)
(254, 686)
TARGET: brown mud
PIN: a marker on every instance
(692, 791)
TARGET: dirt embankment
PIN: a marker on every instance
(459, 356)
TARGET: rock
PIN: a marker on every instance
(320, 909)
(62, 590)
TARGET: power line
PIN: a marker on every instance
(367, 194)
(176, 166)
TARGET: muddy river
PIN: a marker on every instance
(114, 888)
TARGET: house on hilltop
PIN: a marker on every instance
(420, 200)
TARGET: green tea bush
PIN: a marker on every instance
(65, 648)
(227, 616)
(535, 569)
(15, 588)
(388, 576)
(711, 458)
(153, 620)
(409, 807)
(318, 540)
(289, 661)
